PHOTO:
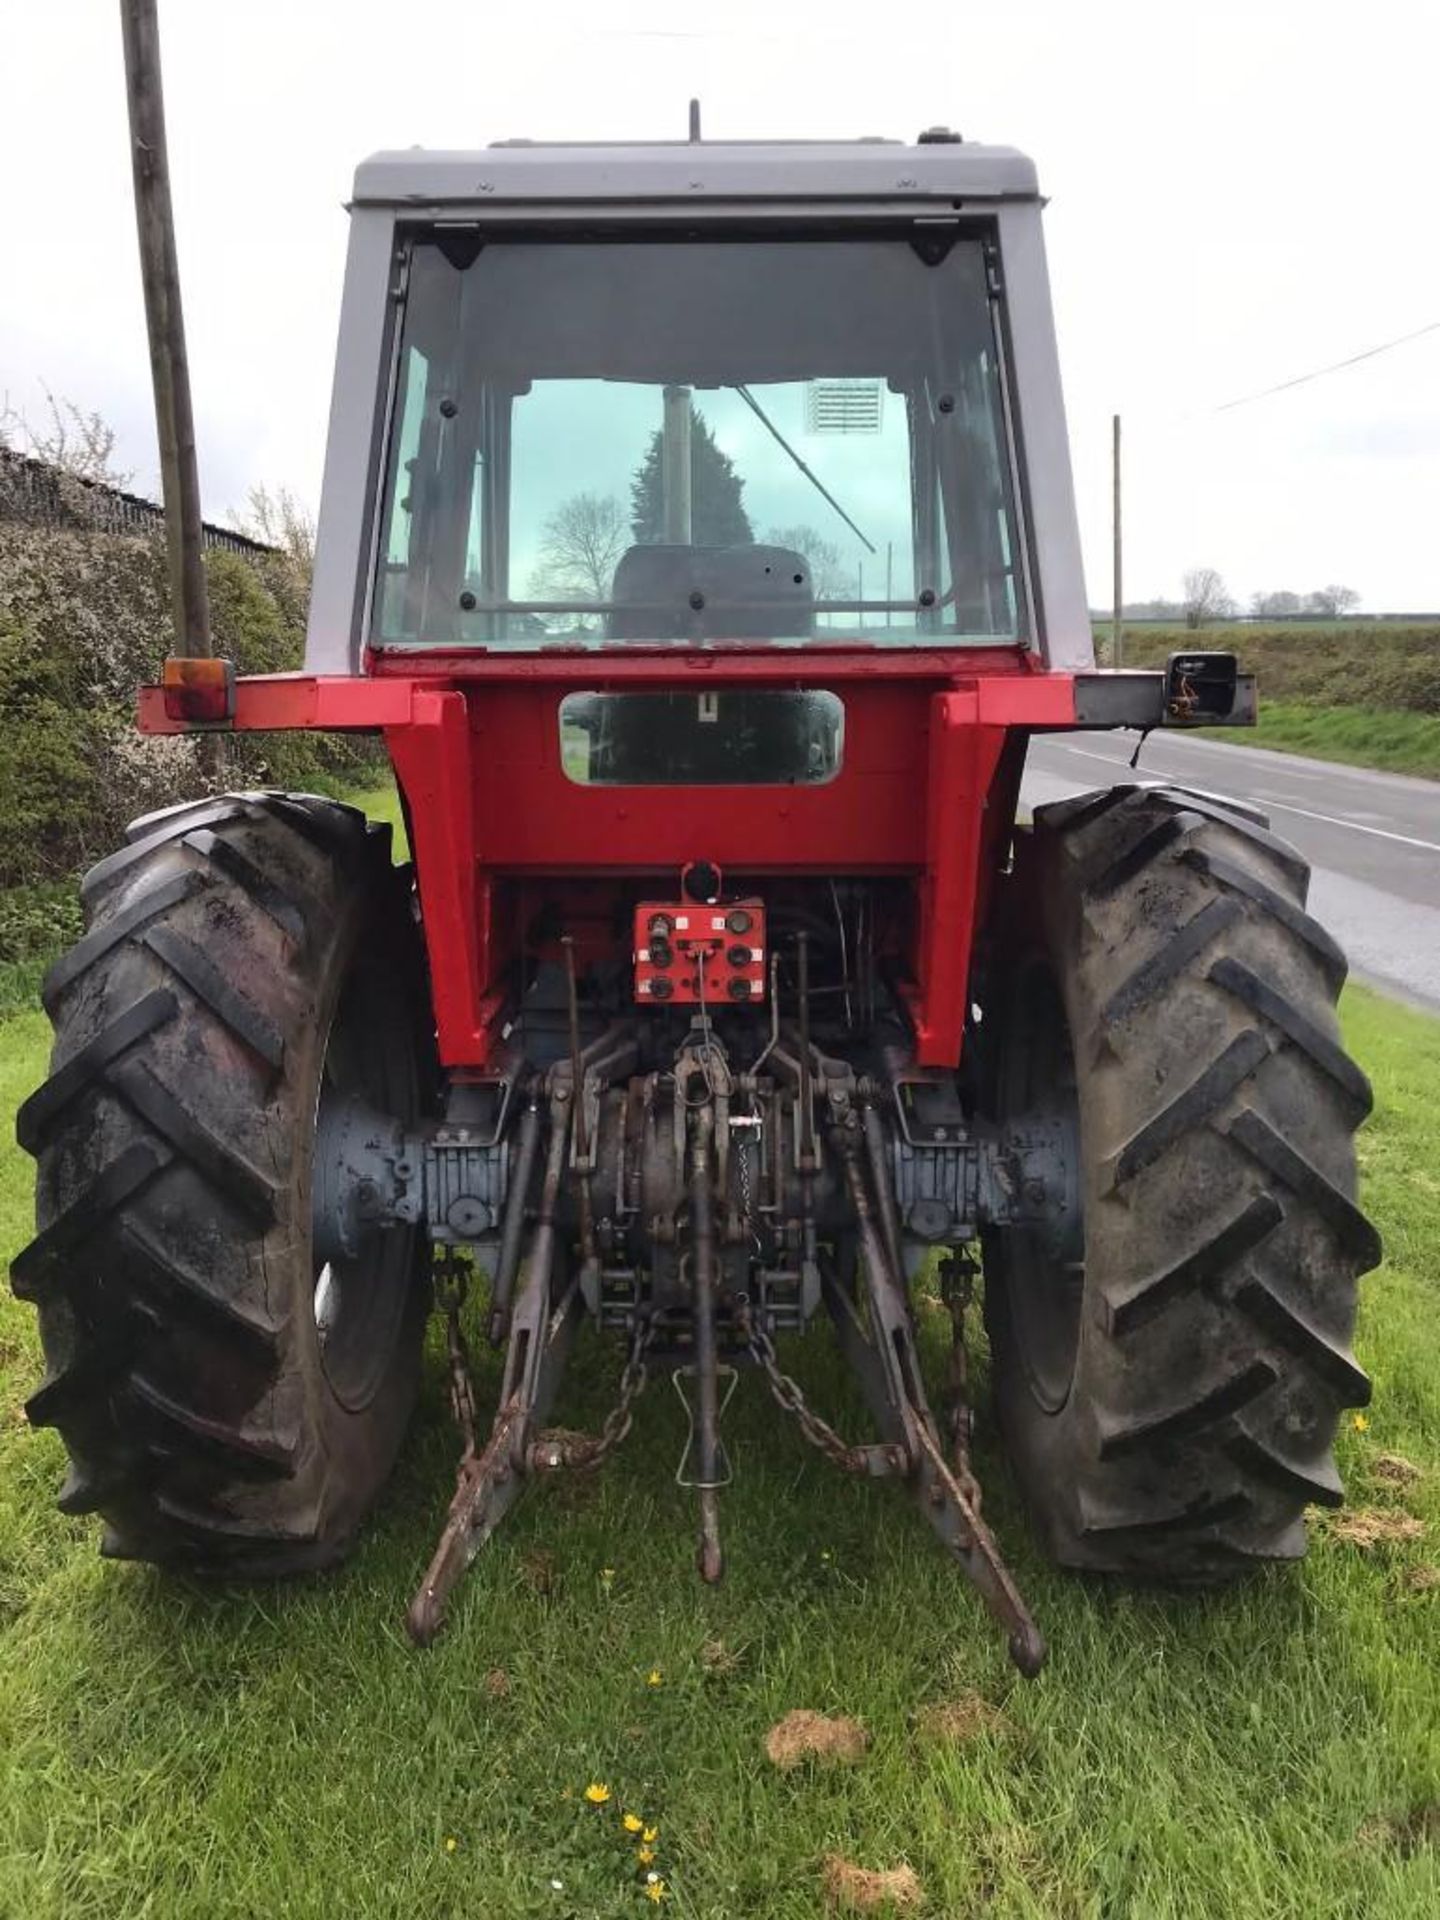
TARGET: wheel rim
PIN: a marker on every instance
(360, 1292)
(1045, 1265)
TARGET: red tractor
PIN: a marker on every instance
(698, 533)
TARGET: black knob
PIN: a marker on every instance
(702, 881)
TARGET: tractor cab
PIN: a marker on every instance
(696, 396)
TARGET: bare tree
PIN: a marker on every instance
(1275, 606)
(278, 520)
(76, 442)
(1332, 602)
(579, 545)
(828, 576)
(1206, 597)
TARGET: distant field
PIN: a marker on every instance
(1363, 692)
(1359, 664)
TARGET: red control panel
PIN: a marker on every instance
(686, 953)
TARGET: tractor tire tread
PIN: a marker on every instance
(180, 1370)
(1294, 919)
(141, 847)
(1193, 1106)
(1282, 1013)
(93, 947)
(220, 994)
(1205, 1266)
(1223, 1239)
(40, 1114)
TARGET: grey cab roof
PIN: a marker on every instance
(696, 171)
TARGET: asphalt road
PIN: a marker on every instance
(1373, 839)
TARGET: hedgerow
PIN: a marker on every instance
(83, 622)
(1356, 664)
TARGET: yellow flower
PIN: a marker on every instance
(631, 1822)
(650, 1836)
(654, 1677)
(1360, 1422)
(654, 1888)
(646, 1856)
(451, 1843)
(597, 1793)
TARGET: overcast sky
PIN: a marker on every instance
(1240, 192)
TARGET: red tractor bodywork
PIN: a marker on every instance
(934, 749)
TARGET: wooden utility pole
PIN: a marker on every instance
(169, 368)
(1117, 637)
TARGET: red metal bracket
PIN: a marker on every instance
(963, 758)
(430, 752)
(285, 702)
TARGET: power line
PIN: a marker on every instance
(1335, 366)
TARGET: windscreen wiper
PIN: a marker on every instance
(814, 479)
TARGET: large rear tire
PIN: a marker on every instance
(224, 1405)
(1169, 1383)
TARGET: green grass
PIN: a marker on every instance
(1359, 736)
(167, 1750)
(383, 803)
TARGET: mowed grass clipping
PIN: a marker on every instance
(167, 1750)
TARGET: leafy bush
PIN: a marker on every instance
(36, 921)
(84, 619)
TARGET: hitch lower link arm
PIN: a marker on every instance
(881, 1350)
(541, 1330)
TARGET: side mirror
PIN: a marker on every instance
(1200, 687)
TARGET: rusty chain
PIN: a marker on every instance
(451, 1285)
(562, 1449)
(559, 1448)
(550, 1450)
(791, 1399)
(957, 1289)
(747, 1199)
(743, 1147)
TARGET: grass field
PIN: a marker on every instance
(1359, 736)
(167, 1750)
